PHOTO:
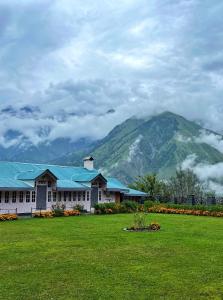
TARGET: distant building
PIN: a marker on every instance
(26, 186)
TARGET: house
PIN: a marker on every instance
(26, 187)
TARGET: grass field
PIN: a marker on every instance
(90, 257)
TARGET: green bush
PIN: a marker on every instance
(218, 208)
(130, 206)
(149, 203)
(139, 220)
(79, 207)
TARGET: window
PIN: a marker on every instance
(14, 196)
(54, 196)
(28, 196)
(20, 196)
(59, 196)
(49, 196)
(0, 197)
(99, 195)
(49, 184)
(79, 196)
(33, 196)
(74, 196)
(69, 196)
(88, 196)
(65, 196)
(83, 196)
(100, 185)
(6, 197)
(42, 182)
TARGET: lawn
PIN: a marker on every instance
(90, 257)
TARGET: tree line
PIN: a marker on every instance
(183, 187)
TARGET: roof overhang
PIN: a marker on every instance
(46, 172)
(99, 176)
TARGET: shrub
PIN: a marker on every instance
(149, 203)
(71, 212)
(154, 226)
(130, 206)
(79, 207)
(8, 217)
(43, 214)
(139, 220)
(166, 210)
(58, 209)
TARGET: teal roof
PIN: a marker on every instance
(17, 170)
(116, 185)
(132, 192)
(17, 175)
(8, 183)
(31, 175)
(69, 184)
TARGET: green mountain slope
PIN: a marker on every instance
(140, 146)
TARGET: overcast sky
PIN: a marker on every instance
(77, 68)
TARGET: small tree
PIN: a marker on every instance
(151, 185)
(185, 183)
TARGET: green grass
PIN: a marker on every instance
(90, 257)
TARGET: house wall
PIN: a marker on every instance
(68, 198)
(106, 197)
(20, 207)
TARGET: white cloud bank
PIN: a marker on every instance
(210, 175)
(75, 60)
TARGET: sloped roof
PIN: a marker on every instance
(17, 170)
(8, 183)
(71, 185)
(31, 175)
(132, 192)
(116, 185)
(16, 175)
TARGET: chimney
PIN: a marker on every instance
(89, 162)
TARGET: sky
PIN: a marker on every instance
(74, 68)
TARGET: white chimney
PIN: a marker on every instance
(89, 162)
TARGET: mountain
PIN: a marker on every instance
(139, 146)
(43, 152)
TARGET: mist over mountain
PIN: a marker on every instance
(158, 144)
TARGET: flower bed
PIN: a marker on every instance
(152, 227)
(8, 217)
(51, 214)
(68, 213)
(165, 210)
(43, 214)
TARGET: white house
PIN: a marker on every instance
(26, 187)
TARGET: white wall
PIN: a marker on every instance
(25, 207)
(11, 207)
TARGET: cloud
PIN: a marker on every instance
(212, 139)
(75, 60)
(210, 175)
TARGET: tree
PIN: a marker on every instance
(184, 184)
(151, 185)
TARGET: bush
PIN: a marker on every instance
(131, 206)
(43, 214)
(8, 217)
(166, 210)
(154, 226)
(58, 209)
(149, 203)
(71, 212)
(79, 207)
(139, 221)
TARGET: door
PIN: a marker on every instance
(94, 196)
(41, 197)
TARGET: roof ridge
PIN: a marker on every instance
(38, 164)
